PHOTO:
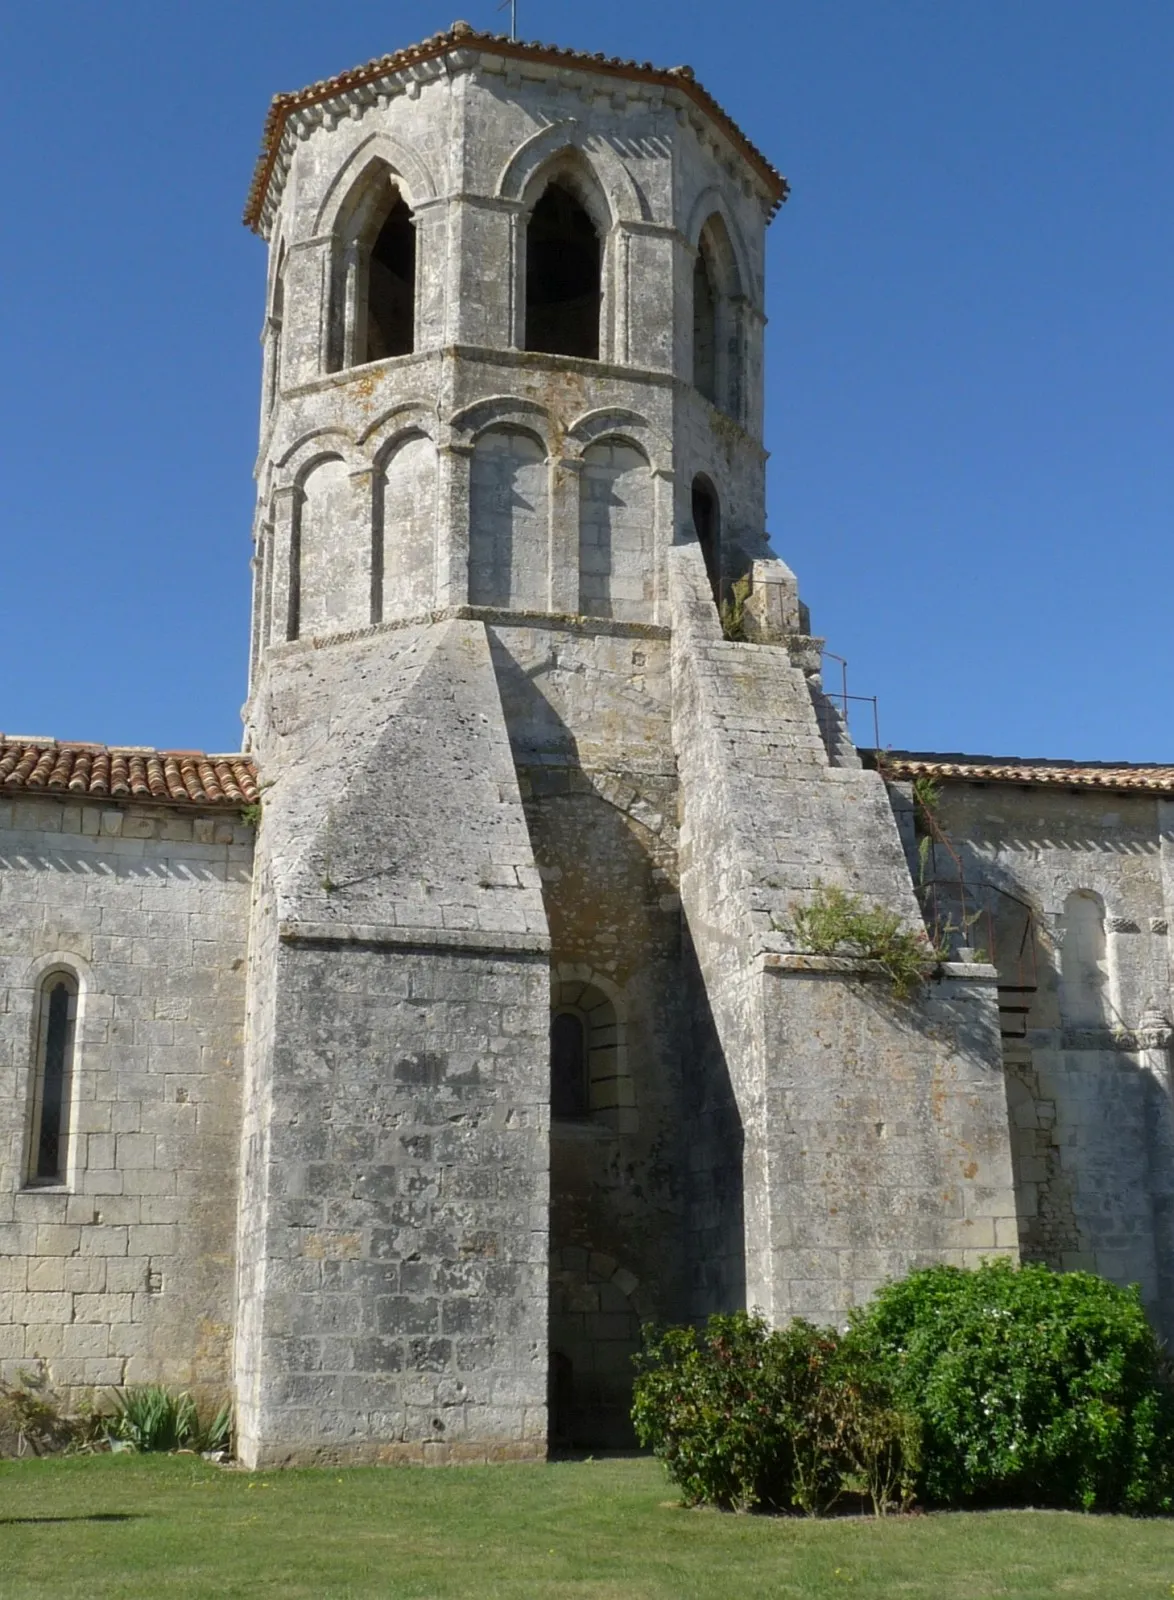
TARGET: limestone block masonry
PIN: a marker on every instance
(390, 1074)
(122, 1270)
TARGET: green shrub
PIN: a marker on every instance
(836, 923)
(1031, 1387)
(744, 1416)
(733, 610)
(150, 1417)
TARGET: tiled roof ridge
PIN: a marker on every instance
(462, 36)
(1147, 777)
(125, 772)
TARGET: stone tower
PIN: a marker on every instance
(530, 1054)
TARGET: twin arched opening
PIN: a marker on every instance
(374, 269)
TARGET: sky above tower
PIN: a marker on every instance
(970, 349)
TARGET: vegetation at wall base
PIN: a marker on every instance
(1000, 1385)
(37, 1421)
(150, 1417)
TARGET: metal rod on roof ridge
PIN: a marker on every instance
(513, 5)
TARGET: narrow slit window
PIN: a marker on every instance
(563, 282)
(568, 1066)
(56, 1022)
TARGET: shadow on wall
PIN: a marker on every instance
(716, 1145)
(596, 1311)
(618, 1167)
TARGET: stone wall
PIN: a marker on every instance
(586, 705)
(124, 1273)
(873, 1134)
(1078, 892)
(393, 1286)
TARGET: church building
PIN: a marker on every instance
(390, 1073)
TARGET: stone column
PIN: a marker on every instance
(306, 322)
(564, 534)
(354, 319)
(284, 584)
(663, 523)
(454, 462)
(362, 484)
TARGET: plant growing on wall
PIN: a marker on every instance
(837, 923)
(733, 610)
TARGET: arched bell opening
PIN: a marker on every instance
(373, 275)
(564, 258)
(391, 287)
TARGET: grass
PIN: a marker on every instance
(105, 1527)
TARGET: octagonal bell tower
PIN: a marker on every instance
(512, 356)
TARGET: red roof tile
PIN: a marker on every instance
(1010, 769)
(101, 772)
(462, 37)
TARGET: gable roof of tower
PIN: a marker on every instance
(463, 37)
(113, 772)
(1118, 776)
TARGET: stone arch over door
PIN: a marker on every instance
(596, 1311)
(509, 521)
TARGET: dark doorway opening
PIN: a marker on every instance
(391, 287)
(707, 523)
(563, 294)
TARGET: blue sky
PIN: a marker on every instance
(970, 350)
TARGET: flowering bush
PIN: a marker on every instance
(1031, 1386)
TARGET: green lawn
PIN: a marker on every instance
(107, 1526)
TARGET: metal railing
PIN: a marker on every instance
(843, 701)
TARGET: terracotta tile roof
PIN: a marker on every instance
(462, 37)
(101, 772)
(1118, 776)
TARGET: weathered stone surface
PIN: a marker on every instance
(123, 1272)
(512, 773)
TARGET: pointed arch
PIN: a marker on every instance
(412, 173)
(564, 141)
(708, 206)
(718, 321)
(274, 325)
(564, 264)
(373, 268)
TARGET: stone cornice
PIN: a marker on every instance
(461, 48)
